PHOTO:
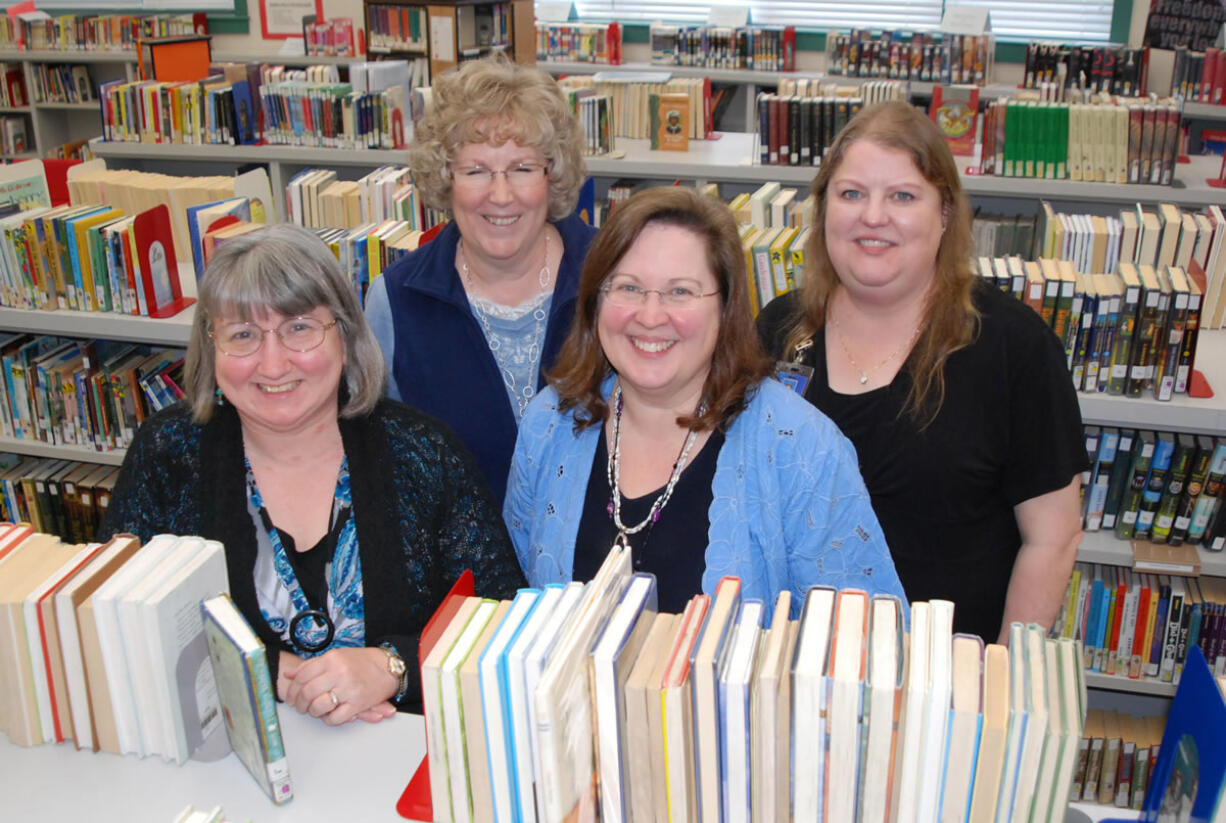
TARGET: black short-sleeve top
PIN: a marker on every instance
(1009, 429)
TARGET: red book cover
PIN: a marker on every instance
(955, 110)
(414, 802)
(1118, 619)
(1219, 79)
(1138, 636)
(1208, 74)
(788, 45)
(159, 271)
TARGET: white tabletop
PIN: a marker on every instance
(355, 772)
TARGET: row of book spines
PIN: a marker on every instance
(392, 26)
(97, 32)
(1115, 758)
(1141, 625)
(579, 42)
(1200, 77)
(196, 113)
(1003, 236)
(60, 392)
(632, 105)
(1157, 486)
(1120, 337)
(794, 131)
(1089, 142)
(54, 263)
(1098, 68)
(332, 116)
(595, 115)
(66, 83)
(762, 48)
(63, 497)
(382, 195)
(949, 58)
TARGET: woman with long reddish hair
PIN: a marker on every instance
(955, 395)
(662, 427)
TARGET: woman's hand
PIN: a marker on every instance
(340, 685)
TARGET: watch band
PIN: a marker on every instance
(397, 668)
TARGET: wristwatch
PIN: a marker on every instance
(396, 668)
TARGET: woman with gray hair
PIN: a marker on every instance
(469, 323)
(344, 515)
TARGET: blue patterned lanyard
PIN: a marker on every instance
(345, 609)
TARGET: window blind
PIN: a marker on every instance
(1068, 20)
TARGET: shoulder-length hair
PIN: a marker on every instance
(739, 362)
(950, 318)
(492, 101)
(288, 270)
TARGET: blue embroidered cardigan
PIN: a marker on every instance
(789, 508)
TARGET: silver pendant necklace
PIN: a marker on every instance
(864, 373)
(614, 474)
(524, 395)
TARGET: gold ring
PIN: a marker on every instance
(336, 701)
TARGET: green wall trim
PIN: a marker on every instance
(1121, 21)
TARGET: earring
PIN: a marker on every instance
(220, 398)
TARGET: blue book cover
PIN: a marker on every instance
(201, 219)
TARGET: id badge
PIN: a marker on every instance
(795, 376)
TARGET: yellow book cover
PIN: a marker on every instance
(780, 260)
(670, 121)
(82, 259)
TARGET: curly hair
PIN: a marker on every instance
(738, 363)
(492, 101)
(950, 318)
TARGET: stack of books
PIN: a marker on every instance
(1199, 76)
(584, 699)
(38, 31)
(396, 28)
(330, 38)
(63, 83)
(926, 56)
(1117, 756)
(630, 96)
(1142, 625)
(63, 497)
(796, 125)
(311, 107)
(1097, 69)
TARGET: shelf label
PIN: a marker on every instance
(729, 16)
(966, 20)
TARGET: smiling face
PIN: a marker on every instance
(276, 388)
(501, 224)
(662, 352)
(884, 223)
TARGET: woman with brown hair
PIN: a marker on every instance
(955, 395)
(662, 426)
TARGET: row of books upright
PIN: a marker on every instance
(1141, 625)
(584, 698)
(796, 126)
(210, 111)
(579, 42)
(132, 648)
(330, 38)
(925, 56)
(63, 497)
(63, 83)
(13, 94)
(998, 235)
(14, 135)
(38, 31)
(92, 394)
(1120, 140)
(317, 198)
(630, 95)
(1097, 69)
(1117, 758)
(396, 28)
(1156, 486)
(1199, 77)
(763, 48)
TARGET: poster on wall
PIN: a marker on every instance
(282, 19)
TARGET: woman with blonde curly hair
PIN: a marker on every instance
(956, 396)
(469, 322)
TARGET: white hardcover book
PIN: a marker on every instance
(44, 690)
(705, 664)
(965, 718)
(453, 711)
(1036, 723)
(1016, 735)
(941, 616)
(911, 726)
(563, 699)
(734, 680)
(1071, 684)
(138, 646)
(518, 700)
(432, 709)
(184, 689)
(844, 715)
(765, 695)
(534, 664)
(1053, 740)
(612, 658)
(110, 640)
(808, 691)
(498, 728)
(884, 693)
